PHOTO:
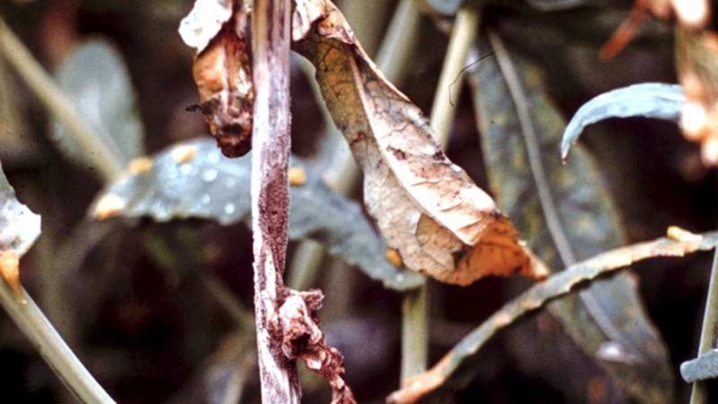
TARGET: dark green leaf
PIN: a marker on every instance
(19, 227)
(566, 215)
(462, 356)
(95, 79)
(193, 179)
(650, 100)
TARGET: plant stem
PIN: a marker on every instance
(366, 19)
(415, 322)
(414, 333)
(400, 42)
(36, 327)
(448, 90)
(699, 394)
(270, 193)
(62, 109)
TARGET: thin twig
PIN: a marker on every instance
(36, 327)
(448, 90)
(270, 193)
(62, 109)
(699, 394)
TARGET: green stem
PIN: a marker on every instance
(415, 322)
(448, 90)
(699, 394)
(36, 327)
(366, 18)
(62, 109)
(400, 42)
(414, 333)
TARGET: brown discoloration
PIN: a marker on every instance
(140, 165)
(184, 154)
(223, 74)
(358, 138)
(110, 205)
(297, 176)
(10, 270)
(394, 257)
(400, 154)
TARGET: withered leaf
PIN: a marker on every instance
(426, 207)
(566, 214)
(223, 73)
(460, 358)
(191, 179)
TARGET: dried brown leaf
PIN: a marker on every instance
(303, 339)
(426, 207)
(223, 73)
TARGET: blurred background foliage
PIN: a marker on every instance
(158, 312)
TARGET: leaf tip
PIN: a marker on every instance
(676, 233)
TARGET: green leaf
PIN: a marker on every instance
(649, 100)
(193, 179)
(19, 227)
(566, 215)
(463, 355)
(95, 79)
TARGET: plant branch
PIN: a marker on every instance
(699, 394)
(270, 193)
(36, 327)
(448, 90)
(62, 109)
(414, 333)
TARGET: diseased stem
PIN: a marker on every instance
(58, 105)
(270, 193)
(699, 394)
(448, 90)
(36, 327)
